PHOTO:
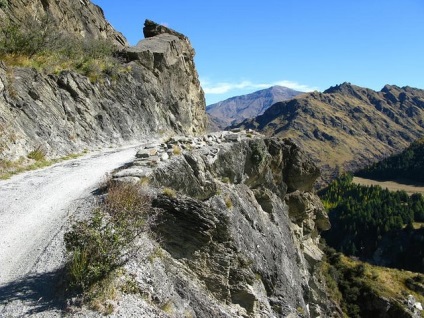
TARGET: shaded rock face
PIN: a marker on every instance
(159, 93)
(347, 127)
(232, 245)
(76, 17)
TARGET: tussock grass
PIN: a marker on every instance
(176, 150)
(171, 193)
(10, 168)
(228, 202)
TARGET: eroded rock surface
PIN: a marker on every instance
(158, 93)
(79, 18)
(238, 231)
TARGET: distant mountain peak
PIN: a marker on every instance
(345, 87)
(238, 108)
(347, 126)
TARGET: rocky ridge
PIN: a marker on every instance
(157, 93)
(239, 238)
(236, 109)
(347, 127)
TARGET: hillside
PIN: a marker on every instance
(79, 18)
(347, 127)
(408, 165)
(238, 108)
(375, 224)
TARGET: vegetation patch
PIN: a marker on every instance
(37, 154)
(40, 45)
(9, 168)
(105, 242)
(171, 193)
(228, 202)
(357, 286)
(365, 219)
(176, 150)
(408, 165)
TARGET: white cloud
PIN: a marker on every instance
(225, 87)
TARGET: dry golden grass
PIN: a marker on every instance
(391, 185)
(386, 282)
(36, 161)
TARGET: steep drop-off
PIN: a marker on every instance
(347, 127)
(156, 91)
(239, 238)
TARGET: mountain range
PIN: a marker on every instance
(236, 109)
(347, 127)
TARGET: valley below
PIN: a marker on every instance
(399, 185)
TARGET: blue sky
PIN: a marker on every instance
(243, 46)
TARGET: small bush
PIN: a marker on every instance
(37, 154)
(228, 202)
(105, 242)
(39, 44)
(4, 4)
(176, 150)
(30, 37)
(226, 180)
(169, 192)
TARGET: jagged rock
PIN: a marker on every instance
(158, 93)
(230, 228)
(164, 156)
(78, 18)
(146, 153)
(232, 137)
(131, 172)
(152, 29)
(126, 179)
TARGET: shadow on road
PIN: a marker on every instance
(38, 293)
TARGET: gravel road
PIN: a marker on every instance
(34, 207)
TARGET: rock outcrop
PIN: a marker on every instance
(238, 233)
(80, 18)
(157, 92)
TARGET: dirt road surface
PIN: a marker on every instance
(34, 206)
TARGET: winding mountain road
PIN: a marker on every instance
(34, 207)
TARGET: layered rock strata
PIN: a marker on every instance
(157, 93)
(238, 228)
(79, 18)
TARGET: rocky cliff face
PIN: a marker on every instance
(158, 92)
(347, 126)
(80, 18)
(240, 236)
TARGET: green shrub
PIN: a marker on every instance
(29, 38)
(4, 4)
(105, 242)
(39, 44)
(37, 154)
